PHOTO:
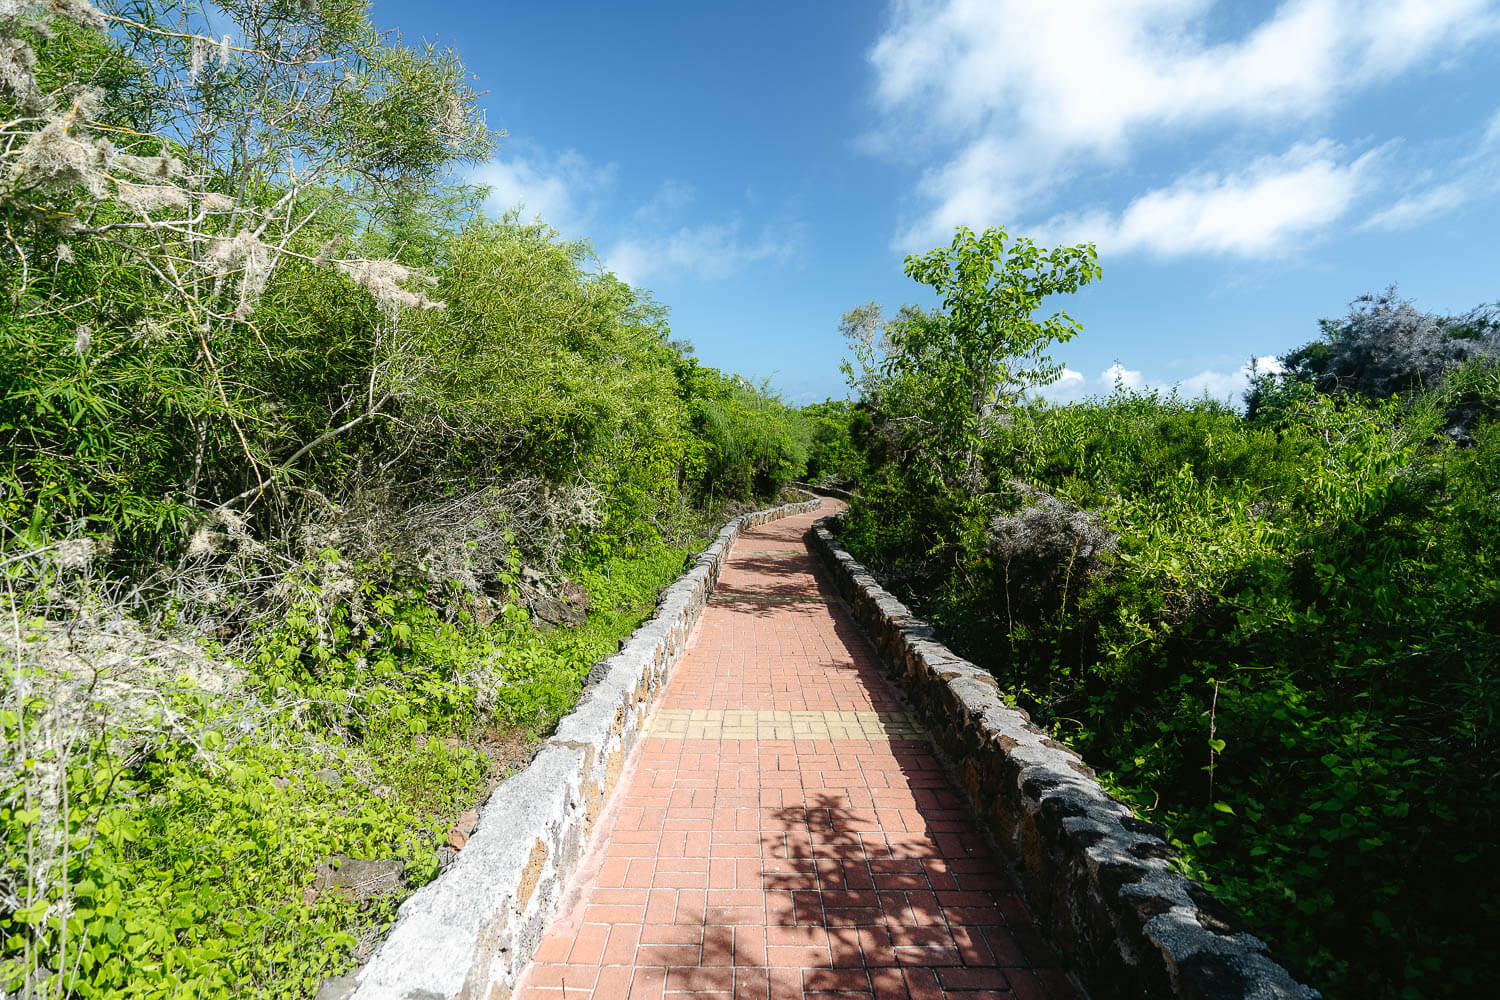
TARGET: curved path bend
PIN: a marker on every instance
(786, 831)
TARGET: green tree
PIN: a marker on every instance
(218, 188)
(833, 458)
(983, 344)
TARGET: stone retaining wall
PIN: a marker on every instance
(469, 933)
(827, 491)
(1098, 878)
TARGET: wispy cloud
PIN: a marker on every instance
(1419, 208)
(1228, 386)
(1016, 97)
(709, 251)
(1492, 131)
(565, 191)
(1465, 179)
(670, 199)
(581, 200)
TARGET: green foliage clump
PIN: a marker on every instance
(935, 383)
(193, 856)
(748, 443)
(833, 427)
(1276, 634)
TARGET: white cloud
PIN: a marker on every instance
(1492, 131)
(566, 191)
(978, 186)
(1470, 177)
(708, 251)
(1419, 208)
(670, 199)
(1228, 386)
(1118, 374)
(1254, 212)
(1016, 94)
(580, 200)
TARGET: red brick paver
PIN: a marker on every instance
(786, 834)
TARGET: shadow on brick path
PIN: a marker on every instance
(786, 833)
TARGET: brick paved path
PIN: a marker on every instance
(787, 831)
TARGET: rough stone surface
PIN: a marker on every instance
(827, 491)
(553, 602)
(1099, 879)
(337, 988)
(359, 878)
(467, 934)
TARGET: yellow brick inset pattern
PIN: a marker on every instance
(729, 724)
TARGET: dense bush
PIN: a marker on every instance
(833, 426)
(1276, 634)
(292, 439)
(197, 828)
(748, 443)
(1385, 347)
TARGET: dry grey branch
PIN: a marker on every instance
(1048, 548)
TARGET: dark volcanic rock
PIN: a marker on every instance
(553, 602)
(360, 878)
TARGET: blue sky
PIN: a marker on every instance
(1245, 169)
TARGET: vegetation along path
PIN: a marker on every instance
(787, 830)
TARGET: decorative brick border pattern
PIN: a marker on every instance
(468, 934)
(1098, 878)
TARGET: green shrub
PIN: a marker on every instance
(1287, 660)
(192, 846)
(833, 458)
(748, 443)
